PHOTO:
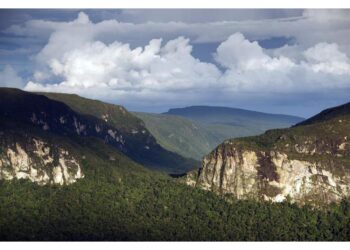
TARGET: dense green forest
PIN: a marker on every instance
(122, 201)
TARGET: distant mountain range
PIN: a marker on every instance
(195, 131)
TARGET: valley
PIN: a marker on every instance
(195, 131)
(73, 168)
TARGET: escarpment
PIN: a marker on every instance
(307, 164)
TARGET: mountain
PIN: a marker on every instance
(61, 179)
(307, 164)
(194, 131)
(87, 118)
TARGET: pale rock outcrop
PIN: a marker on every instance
(269, 175)
(79, 128)
(40, 163)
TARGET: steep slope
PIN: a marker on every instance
(307, 164)
(180, 135)
(56, 117)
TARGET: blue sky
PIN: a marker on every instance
(290, 61)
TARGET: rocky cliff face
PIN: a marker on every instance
(306, 164)
(38, 162)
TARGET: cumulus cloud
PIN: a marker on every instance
(327, 58)
(118, 67)
(239, 53)
(9, 78)
(250, 68)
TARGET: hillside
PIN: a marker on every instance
(118, 128)
(307, 164)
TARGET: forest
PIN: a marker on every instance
(124, 203)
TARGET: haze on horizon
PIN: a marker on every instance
(277, 61)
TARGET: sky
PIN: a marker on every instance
(287, 61)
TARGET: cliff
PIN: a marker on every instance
(306, 164)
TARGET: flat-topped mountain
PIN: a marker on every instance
(234, 116)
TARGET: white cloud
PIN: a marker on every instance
(327, 58)
(240, 54)
(9, 78)
(118, 67)
(251, 69)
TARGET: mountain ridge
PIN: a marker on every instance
(56, 117)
